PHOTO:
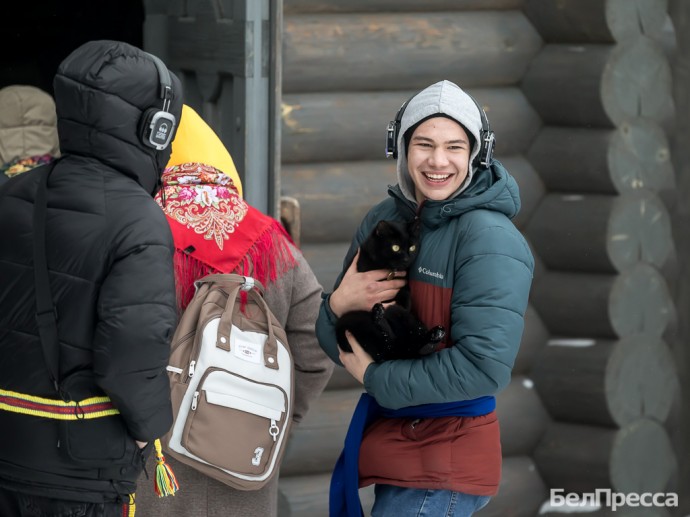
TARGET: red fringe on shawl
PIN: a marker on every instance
(268, 259)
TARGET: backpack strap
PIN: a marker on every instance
(46, 312)
(233, 284)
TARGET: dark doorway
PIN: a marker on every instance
(39, 34)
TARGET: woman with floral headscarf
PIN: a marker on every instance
(216, 231)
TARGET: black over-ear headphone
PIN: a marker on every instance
(487, 138)
(157, 126)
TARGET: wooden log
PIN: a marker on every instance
(634, 155)
(532, 188)
(608, 383)
(600, 233)
(377, 6)
(600, 85)
(335, 197)
(520, 481)
(522, 416)
(580, 458)
(604, 306)
(520, 492)
(326, 260)
(596, 21)
(381, 51)
(341, 126)
(316, 442)
(300, 496)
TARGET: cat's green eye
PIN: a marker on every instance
(395, 248)
(413, 247)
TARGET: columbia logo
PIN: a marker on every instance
(427, 272)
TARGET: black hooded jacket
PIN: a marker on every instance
(109, 253)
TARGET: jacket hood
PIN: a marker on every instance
(443, 97)
(28, 123)
(491, 189)
(196, 142)
(101, 91)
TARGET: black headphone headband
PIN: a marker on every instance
(487, 138)
(158, 125)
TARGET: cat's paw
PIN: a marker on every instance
(377, 312)
(437, 334)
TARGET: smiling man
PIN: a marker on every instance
(431, 442)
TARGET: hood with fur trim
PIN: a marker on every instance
(443, 97)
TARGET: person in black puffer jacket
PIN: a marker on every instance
(109, 252)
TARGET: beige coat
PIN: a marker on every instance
(295, 301)
(28, 123)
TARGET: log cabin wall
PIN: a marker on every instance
(347, 68)
(602, 85)
(578, 92)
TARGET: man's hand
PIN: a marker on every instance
(361, 291)
(357, 361)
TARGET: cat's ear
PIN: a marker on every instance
(383, 228)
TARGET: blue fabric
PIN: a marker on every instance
(344, 489)
(395, 501)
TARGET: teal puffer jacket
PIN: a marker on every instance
(473, 274)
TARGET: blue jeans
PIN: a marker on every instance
(394, 501)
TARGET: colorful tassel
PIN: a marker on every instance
(165, 483)
(130, 508)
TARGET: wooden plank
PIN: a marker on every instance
(608, 383)
(382, 51)
(599, 233)
(579, 458)
(600, 85)
(342, 126)
(603, 306)
(335, 197)
(596, 21)
(634, 155)
(360, 6)
(326, 260)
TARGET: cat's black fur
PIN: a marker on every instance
(393, 332)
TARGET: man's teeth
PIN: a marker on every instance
(438, 177)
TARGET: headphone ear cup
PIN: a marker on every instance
(145, 125)
(156, 128)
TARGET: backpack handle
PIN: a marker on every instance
(234, 284)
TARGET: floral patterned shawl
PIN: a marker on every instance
(216, 231)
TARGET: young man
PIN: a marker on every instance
(436, 448)
(76, 418)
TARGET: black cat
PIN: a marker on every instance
(393, 332)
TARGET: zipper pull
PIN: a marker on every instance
(195, 399)
(192, 365)
(274, 430)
